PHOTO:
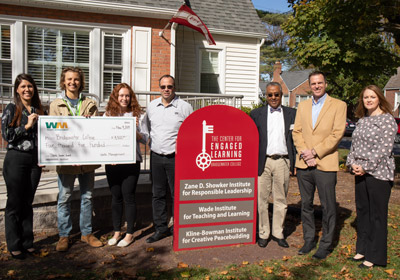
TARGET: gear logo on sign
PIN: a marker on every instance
(203, 160)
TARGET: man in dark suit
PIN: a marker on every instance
(275, 163)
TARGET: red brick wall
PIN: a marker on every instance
(160, 52)
(390, 97)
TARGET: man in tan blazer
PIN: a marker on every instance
(319, 126)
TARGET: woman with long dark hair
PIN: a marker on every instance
(122, 178)
(371, 161)
(21, 171)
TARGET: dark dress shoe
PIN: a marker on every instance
(307, 247)
(363, 266)
(262, 242)
(321, 254)
(356, 260)
(281, 242)
(157, 236)
(20, 256)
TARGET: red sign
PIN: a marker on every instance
(215, 179)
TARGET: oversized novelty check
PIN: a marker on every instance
(80, 140)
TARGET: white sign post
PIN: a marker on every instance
(84, 141)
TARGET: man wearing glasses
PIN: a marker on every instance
(163, 118)
(275, 163)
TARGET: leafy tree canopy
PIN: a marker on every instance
(345, 39)
(275, 47)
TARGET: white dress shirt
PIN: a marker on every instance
(276, 133)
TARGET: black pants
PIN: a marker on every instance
(163, 176)
(372, 199)
(310, 179)
(122, 180)
(21, 175)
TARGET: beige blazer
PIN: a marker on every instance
(326, 135)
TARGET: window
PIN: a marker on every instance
(5, 61)
(113, 69)
(285, 100)
(50, 50)
(396, 101)
(43, 49)
(209, 71)
(300, 98)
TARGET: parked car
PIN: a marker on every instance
(350, 126)
(397, 138)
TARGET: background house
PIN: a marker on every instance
(118, 41)
(392, 92)
(294, 84)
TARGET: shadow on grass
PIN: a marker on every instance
(294, 220)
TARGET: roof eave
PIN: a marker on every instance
(94, 6)
(238, 33)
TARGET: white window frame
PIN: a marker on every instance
(10, 60)
(125, 58)
(301, 98)
(221, 66)
(396, 100)
(19, 50)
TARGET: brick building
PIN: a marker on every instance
(392, 92)
(294, 84)
(118, 41)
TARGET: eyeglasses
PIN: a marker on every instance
(168, 87)
(274, 94)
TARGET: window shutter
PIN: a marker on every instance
(5, 61)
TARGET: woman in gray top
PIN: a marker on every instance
(371, 161)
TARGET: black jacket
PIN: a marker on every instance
(260, 117)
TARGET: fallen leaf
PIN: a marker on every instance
(225, 272)
(234, 268)
(285, 258)
(344, 269)
(182, 265)
(389, 271)
(11, 273)
(185, 274)
(269, 269)
(245, 262)
(113, 256)
(155, 274)
(150, 249)
(394, 226)
(43, 253)
(207, 277)
(285, 274)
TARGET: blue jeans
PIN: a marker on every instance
(66, 187)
